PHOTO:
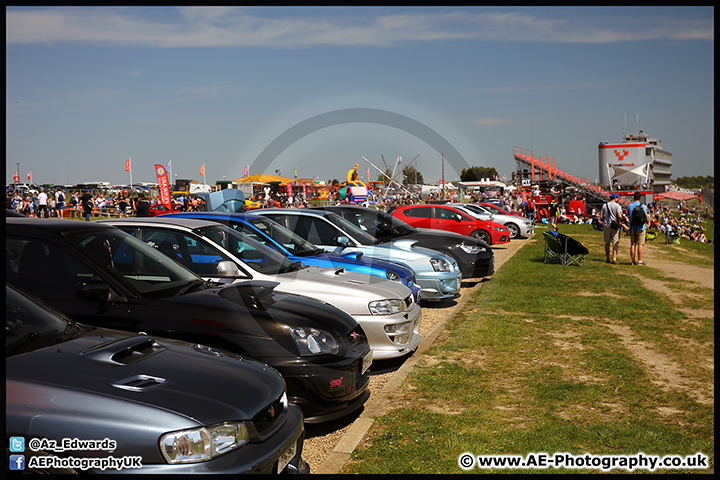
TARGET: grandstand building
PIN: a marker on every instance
(639, 161)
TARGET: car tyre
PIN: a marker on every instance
(513, 229)
(481, 235)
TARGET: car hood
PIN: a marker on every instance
(204, 385)
(403, 251)
(354, 258)
(348, 291)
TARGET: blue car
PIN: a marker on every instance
(300, 250)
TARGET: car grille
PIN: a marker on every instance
(264, 421)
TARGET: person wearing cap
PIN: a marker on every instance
(611, 216)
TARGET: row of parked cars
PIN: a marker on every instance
(203, 341)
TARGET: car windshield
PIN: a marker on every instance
(398, 226)
(255, 255)
(293, 242)
(352, 230)
(477, 208)
(497, 209)
(137, 265)
(30, 325)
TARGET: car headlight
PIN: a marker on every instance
(313, 341)
(392, 276)
(472, 249)
(440, 265)
(387, 307)
(202, 444)
(500, 229)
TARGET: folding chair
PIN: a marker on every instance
(565, 249)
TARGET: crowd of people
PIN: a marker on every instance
(61, 204)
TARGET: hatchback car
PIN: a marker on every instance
(99, 275)
(296, 248)
(437, 274)
(445, 217)
(474, 257)
(517, 226)
(385, 309)
(164, 406)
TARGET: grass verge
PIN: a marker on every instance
(550, 358)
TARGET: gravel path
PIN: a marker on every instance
(323, 438)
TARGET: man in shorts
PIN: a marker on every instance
(637, 231)
(611, 215)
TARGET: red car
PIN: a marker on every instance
(161, 209)
(445, 217)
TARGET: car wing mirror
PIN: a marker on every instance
(226, 268)
(458, 218)
(342, 240)
(94, 290)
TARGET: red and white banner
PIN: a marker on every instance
(29, 176)
(163, 184)
(202, 169)
(247, 171)
(127, 165)
(16, 178)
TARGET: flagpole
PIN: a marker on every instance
(130, 163)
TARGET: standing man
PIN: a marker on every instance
(611, 216)
(637, 213)
(142, 207)
(553, 211)
(42, 204)
(87, 204)
(59, 202)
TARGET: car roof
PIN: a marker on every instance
(294, 211)
(162, 220)
(52, 225)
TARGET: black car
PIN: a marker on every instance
(98, 275)
(474, 257)
(153, 405)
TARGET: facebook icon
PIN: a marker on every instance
(17, 462)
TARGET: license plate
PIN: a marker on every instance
(367, 361)
(286, 457)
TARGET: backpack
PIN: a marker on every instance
(638, 216)
(61, 198)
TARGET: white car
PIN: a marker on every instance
(386, 310)
(517, 226)
(436, 273)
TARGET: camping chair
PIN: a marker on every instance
(565, 249)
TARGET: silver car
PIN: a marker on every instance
(436, 273)
(387, 311)
(517, 226)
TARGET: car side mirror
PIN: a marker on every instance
(342, 240)
(458, 218)
(226, 268)
(94, 290)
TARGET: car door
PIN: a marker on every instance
(190, 250)
(313, 229)
(50, 272)
(453, 221)
(419, 217)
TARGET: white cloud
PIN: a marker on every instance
(233, 26)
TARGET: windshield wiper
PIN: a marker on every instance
(293, 267)
(190, 286)
(70, 331)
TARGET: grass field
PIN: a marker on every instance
(603, 359)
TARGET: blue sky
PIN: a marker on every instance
(86, 88)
